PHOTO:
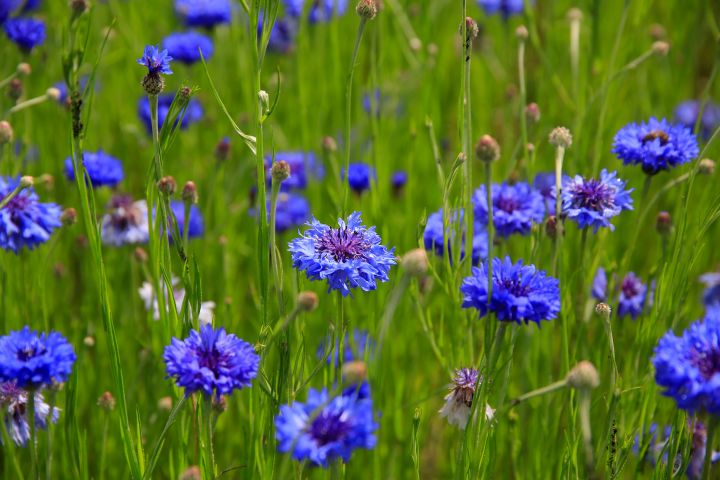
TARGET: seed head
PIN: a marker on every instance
(661, 47)
(521, 33)
(415, 262)
(167, 185)
(153, 83)
(532, 112)
(280, 171)
(706, 166)
(307, 301)
(560, 137)
(6, 132)
(487, 149)
(603, 309)
(106, 401)
(189, 192)
(68, 217)
(367, 9)
(583, 376)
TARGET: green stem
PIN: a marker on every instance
(33, 438)
(560, 384)
(707, 463)
(27, 104)
(207, 438)
(274, 252)
(586, 432)
(559, 156)
(466, 134)
(523, 105)
(339, 344)
(348, 109)
(490, 230)
(19, 188)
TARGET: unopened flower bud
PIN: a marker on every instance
(27, 181)
(530, 147)
(191, 473)
(329, 144)
(106, 401)
(487, 149)
(68, 217)
(53, 93)
(280, 171)
(264, 99)
(79, 6)
(663, 224)
(661, 47)
(165, 403)
(15, 89)
(415, 44)
(415, 262)
(560, 137)
(47, 181)
(153, 83)
(222, 150)
(583, 376)
(657, 32)
(24, 69)
(219, 405)
(140, 255)
(189, 192)
(471, 29)
(167, 185)
(603, 309)
(575, 15)
(6, 132)
(521, 33)
(367, 9)
(355, 371)
(89, 341)
(551, 227)
(706, 166)
(307, 301)
(532, 112)
(432, 49)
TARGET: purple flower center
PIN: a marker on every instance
(466, 378)
(329, 427)
(124, 213)
(342, 244)
(507, 204)
(593, 195)
(707, 362)
(515, 287)
(29, 351)
(210, 358)
(630, 287)
(656, 134)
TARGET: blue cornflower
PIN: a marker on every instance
(687, 113)
(193, 114)
(359, 176)
(398, 180)
(103, 169)
(650, 445)
(599, 285)
(34, 360)
(196, 225)
(515, 208)
(26, 32)
(656, 145)
(593, 202)
(291, 211)
(688, 367)
(355, 347)
(520, 293)
(185, 47)
(318, 10)
(211, 361)
(372, 105)
(711, 295)
(13, 402)
(25, 222)
(126, 223)
(324, 428)
(632, 296)
(349, 256)
(282, 35)
(544, 183)
(156, 61)
(63, 89)
(303, 165)
(506, 8)
(434, 240)
(204, 13)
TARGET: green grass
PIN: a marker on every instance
(60, 285)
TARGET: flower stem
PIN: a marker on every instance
(339, 344)
(207, 438)
(490, 231)
(348, 108)
(274, 252)
(523, 104)
(28, 103)
(540, 391)
(586, 432)
(19, 188)
(711, 429)
(465, 135)
(559, 156)
(33, 438)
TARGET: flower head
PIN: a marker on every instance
(211, 361)
(688, 367)
(204, 13)
(434, 240)
(632, 296)
(656, 145)
(317, 11)
(687, 114)
(185, 47)
(520, 293)
(399, 179)
(26, 32)
(544, 184)
(193, 114)
(13, 402)
(515, 207)
(359, 176)
(196, 224)
(599, 285)
(593, 202)
(156, 61)
(325, 428)
(126, 222)
(506, 8)
(102, 169)
(355, 347)
(25, 222)
(32, 359)
(711, 295)
(150, 300)
(291, 211)
(458, 402)
(349, 256)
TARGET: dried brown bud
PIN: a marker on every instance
(106, 401)
(280, 171)
(15, 89)
(603, 309)
(222, 150)
(307, 301)
(415, 262)
(219, 405)
(487, 149)
(191, 473)
(584, 376)
(27, 181)
(89, 341)
(24, 69)
(167, 185)
(663, 224)
(367, 9)
(165, 403)
(355, 371)
(551, 227)
(657, 32)
(329, 144)
(189, 192)
(6, 132)
(153, 83)
(471, 29)
(560, 137)
(68, 217)
(532, 112)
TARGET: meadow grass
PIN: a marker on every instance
(413, 53)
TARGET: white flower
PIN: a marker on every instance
(147, 294)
